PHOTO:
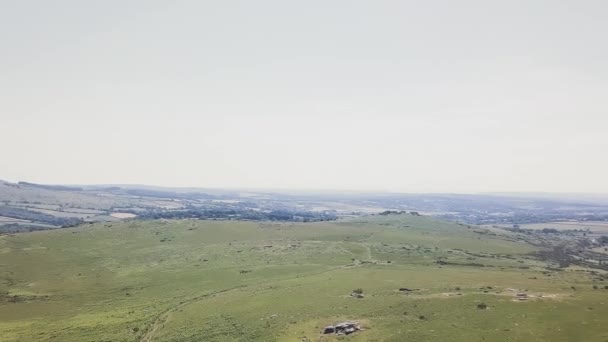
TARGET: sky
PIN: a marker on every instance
(408, 96)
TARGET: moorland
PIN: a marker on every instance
(419, 279)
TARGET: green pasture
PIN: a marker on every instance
(249, 281)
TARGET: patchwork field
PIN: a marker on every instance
(190, 280)
(599, 227)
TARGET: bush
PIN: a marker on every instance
(358, 291)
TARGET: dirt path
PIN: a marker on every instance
(369, 252)
(366, 246)
(164, 316)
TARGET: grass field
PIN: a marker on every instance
(598, 227)
(593, 228)
(247, 281)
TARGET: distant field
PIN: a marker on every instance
(4, 219)
(123, 215)
(58, 213)
(595, 226)
(52, 199)
(14, 221)
(192, 280)
(50, 209)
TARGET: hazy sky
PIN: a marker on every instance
(440, 96)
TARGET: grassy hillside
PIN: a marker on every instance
(245, 281)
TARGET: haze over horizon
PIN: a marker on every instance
(387, 95)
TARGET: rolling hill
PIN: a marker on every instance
(192, 280)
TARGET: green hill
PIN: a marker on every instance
(193, 280)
